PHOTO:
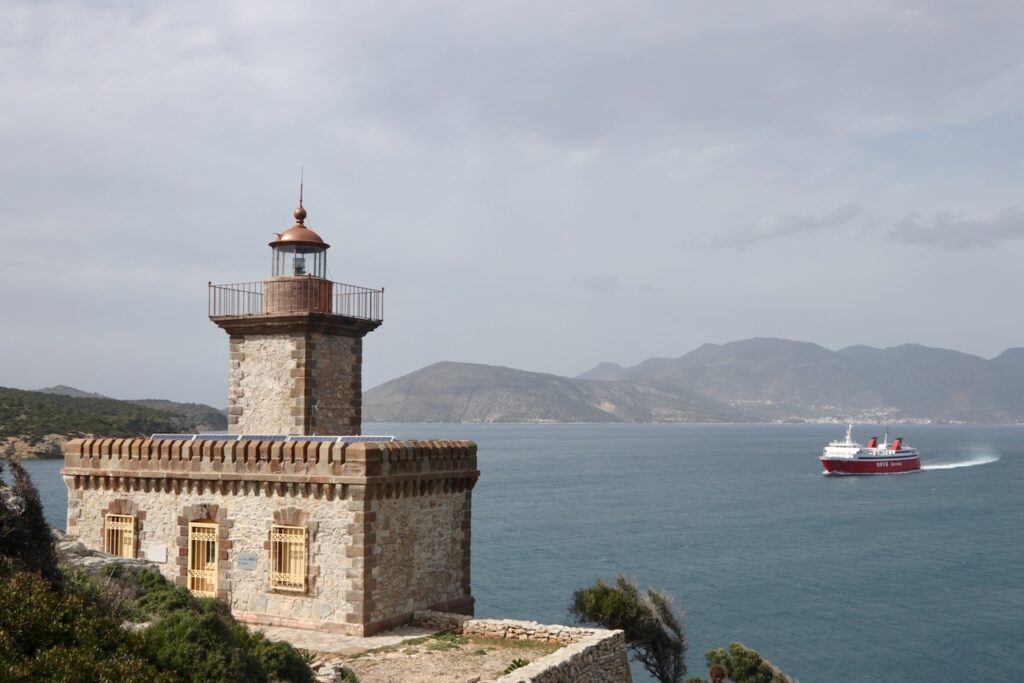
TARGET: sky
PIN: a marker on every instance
(541, 185)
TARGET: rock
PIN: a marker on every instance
(73, 549)
(47, 447)
(328, 671)
(136, 626)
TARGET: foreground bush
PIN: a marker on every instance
(653, 629)
(200, 640)
(743, 665)
(51, 635)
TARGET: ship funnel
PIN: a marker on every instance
(873, 442)
(897, 443)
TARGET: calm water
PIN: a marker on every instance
(913, 577)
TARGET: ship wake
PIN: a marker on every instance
(973, 461)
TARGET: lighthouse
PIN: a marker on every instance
(295, 342)
(294, 518)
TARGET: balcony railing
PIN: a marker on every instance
(294, 295)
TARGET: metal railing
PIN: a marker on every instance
(250, 298)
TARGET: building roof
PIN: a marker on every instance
(299, 235)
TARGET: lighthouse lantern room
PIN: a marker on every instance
(298, 251)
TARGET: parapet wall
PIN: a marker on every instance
(592, 655)
(388, 524)
(164, 464)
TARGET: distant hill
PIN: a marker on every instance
(65, 390)
(205, 418)
(603, 371)
(754, 380)
(201, 417)
(467, 392)
(31, 417)
(783, 379)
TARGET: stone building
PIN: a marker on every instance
(292, 517)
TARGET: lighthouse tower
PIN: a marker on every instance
(296, 342)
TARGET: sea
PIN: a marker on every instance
(906, 577)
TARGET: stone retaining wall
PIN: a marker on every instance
(592, 655)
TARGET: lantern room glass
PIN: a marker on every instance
(292, 260)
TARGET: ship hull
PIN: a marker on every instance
(870, 465)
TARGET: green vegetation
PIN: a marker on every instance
(25, 540)
(446, 640)
(64, 635)
(654, 635)
(653, 629)
(33, 414)
(200, 416)
(743, 665)
(516, 664)
(64, 625)
(346, 675)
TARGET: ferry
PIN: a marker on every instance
(849, 457)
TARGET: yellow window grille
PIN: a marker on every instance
(119, 535)
(288, 558)
(202, 559)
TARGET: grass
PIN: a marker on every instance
(446, 640)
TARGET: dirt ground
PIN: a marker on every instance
(442, 658)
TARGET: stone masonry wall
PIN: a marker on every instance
(592, 655)
(335, 377)
(297, 383)
(364, 506)
(266, 387)
(414, 564)
(250, 515)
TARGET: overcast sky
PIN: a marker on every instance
(543, 185)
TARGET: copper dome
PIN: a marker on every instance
(299, 234)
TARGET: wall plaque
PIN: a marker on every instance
(247, 560)
(156, 552)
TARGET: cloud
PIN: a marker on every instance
(956, 232)
(149, 147)
(776, 227)
(601, 282)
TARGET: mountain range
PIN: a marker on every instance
(754, 380)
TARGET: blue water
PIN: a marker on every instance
(911, 577)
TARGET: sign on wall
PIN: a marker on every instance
(246, 560)
(156, 552)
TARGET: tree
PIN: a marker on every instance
(25, 538)
(653, 629)
(743, 665)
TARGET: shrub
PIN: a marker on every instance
(345, 675)
(516, 664)
(25, 537)
(46, 634)
(745, 665)
(653, 630)
(200, 647)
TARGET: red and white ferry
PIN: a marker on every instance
(850, 457)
